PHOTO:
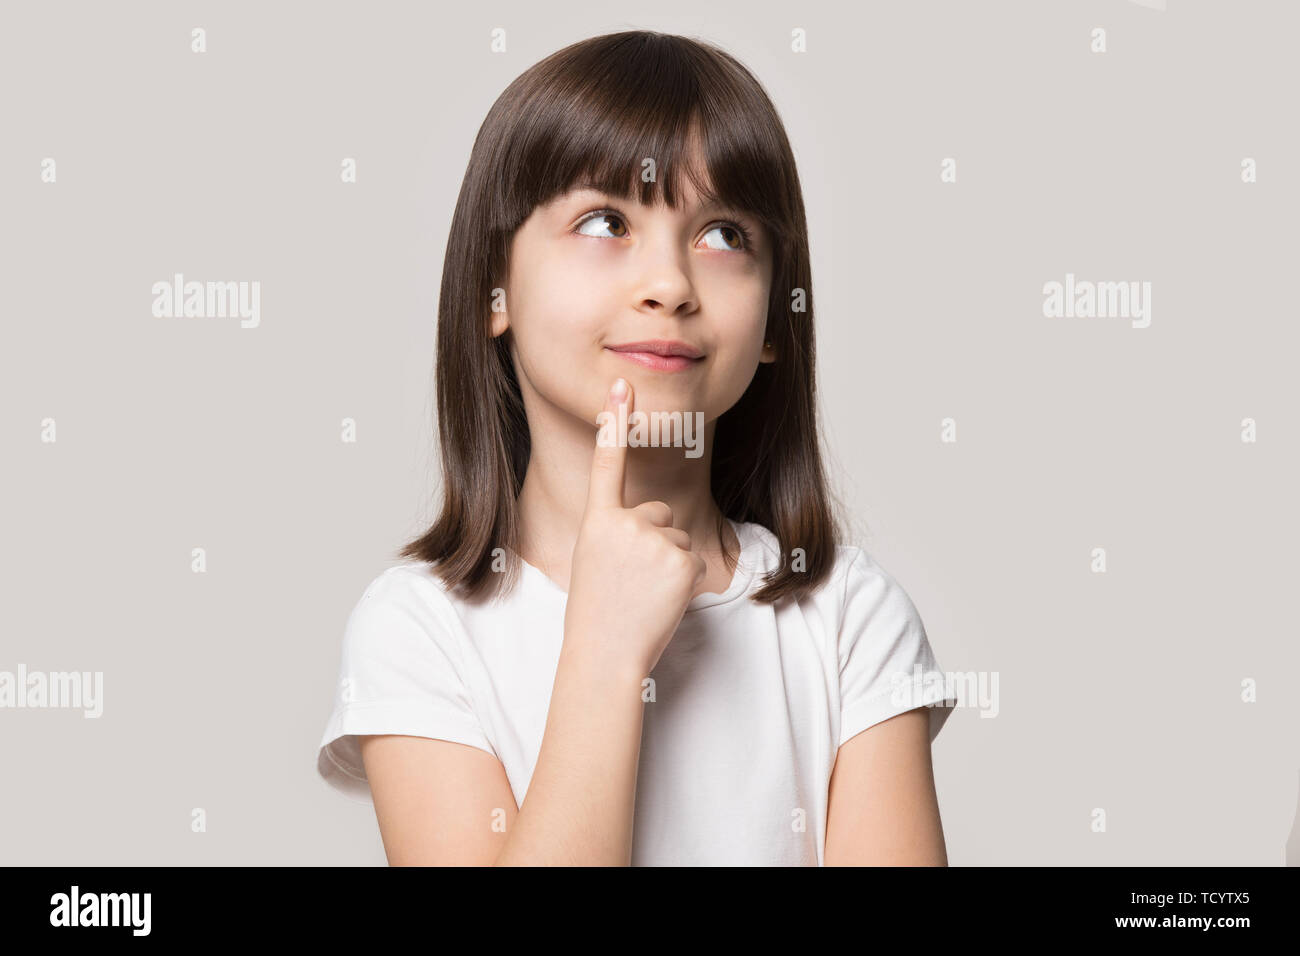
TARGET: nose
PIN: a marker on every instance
(664, 282)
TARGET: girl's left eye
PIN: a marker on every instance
(735, 237)
(733, 232)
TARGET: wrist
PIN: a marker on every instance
(601, 665)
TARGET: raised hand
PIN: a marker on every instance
(632, 572)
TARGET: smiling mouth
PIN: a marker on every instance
(662, 355)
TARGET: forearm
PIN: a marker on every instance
(578, 810)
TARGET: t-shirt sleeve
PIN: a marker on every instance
(400, 673)
(886, 663)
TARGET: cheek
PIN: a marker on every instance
(566, 284)
(739, 332)
(556, 321)
(552, 309)
(741, 282)
(741, 313)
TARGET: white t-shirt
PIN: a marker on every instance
(751, 703)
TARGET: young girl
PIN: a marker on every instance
(606, 650)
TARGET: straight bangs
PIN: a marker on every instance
(626, 114)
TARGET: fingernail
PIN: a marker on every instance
(619, 391)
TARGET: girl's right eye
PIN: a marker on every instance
(603, 217)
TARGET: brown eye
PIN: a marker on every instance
(734, 237)
(607, 220)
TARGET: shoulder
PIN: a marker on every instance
(872, 593)
(403, 667)
(851, 571)
(860, 570)
(406, 599)
(410, 579)
(860, 597)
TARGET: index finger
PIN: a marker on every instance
(605, 486)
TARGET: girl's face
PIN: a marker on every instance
(589, 273)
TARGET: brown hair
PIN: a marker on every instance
(590, 112)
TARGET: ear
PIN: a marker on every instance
(498, 323)
(768, 354)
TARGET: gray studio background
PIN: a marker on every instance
(1120, 691)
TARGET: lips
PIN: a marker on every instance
(659, 347)
(659, 354)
